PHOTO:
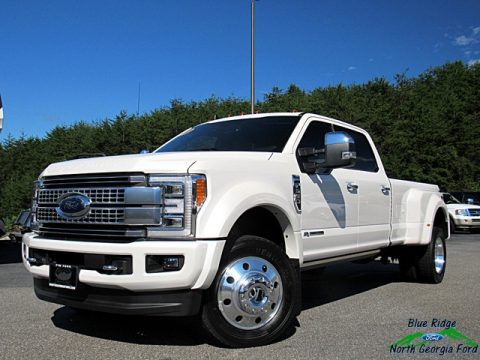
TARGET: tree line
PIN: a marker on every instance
(426, 128)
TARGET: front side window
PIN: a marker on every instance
(265, 134)
(314, 137)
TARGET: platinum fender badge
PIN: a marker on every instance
(73, 206)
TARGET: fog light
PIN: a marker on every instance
(173, 222)
(161, 263)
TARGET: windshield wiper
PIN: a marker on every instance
(206, 149)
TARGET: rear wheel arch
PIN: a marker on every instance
(441, 220)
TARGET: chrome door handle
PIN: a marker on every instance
(351, 186)
(385, 189)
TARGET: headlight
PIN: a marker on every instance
(462, 212)
(182, 198)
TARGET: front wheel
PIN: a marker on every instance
(252, 301)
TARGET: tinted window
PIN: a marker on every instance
(314, 137)
(468, 197)
(23, 217)
(450, 199)
(269, 134)
(365, 157)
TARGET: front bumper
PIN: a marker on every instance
(467, 222)
(202, 258)
(171, 303)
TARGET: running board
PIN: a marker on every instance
(337, 259)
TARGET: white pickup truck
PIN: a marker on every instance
(221, 220)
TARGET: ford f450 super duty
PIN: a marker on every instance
(221, 220)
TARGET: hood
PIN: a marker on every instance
(174, 162)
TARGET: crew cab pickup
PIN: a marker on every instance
(221, 220)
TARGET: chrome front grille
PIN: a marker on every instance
(95, 216)
(120, 207)
(96, 196)
(94, 180)
(474, 212)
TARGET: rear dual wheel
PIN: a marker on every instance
(426, 263)
(252, 301)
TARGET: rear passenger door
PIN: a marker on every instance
(374, 194)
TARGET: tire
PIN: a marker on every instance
(453, 229)
(253, 300)
(426, 263)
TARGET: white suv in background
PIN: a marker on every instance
(462, 216)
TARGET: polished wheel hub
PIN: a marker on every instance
(439, 254)
(250, 293)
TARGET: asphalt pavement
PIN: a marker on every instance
(350, 311)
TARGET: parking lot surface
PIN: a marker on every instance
(350, 311)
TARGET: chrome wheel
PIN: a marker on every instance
(250, 293)
(439, 255)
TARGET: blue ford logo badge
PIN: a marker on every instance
(73, 206)
(432, 337)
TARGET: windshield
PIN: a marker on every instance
(268, 134)
(450, 199)
(471, 198)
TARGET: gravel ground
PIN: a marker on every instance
(350, 311)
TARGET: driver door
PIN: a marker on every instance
(329, 219)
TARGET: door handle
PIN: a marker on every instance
(351, 186)
(385, 189)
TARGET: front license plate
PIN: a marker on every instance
(63, 276)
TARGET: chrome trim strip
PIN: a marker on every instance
(143, 195)
(106, 216)
(328, 261)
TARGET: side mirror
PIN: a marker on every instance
(144, 151)
(339, 150)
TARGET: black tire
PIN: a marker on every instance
(417, 263)
(219, 326)
(453, 228)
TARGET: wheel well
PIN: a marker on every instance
(441, 221)
(261, 222)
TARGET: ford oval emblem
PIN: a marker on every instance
(432, 337)
(73, 206)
